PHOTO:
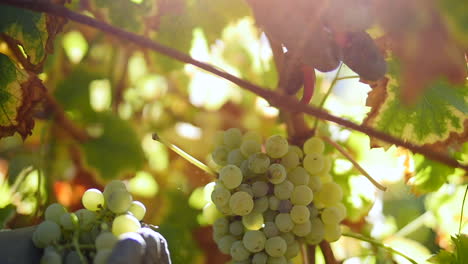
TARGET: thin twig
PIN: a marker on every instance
(311, 253)
(305, 254)
(327, 253)
(281, 101)
(354, 162)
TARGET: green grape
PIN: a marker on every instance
(225, 243)
(296, 150)
(284, 222)
(259, 163)
(54, 212)
(290, 160)
(332, 232)
(301, 230)
(299, 176)
(138, 210)
(47, 233)
(315, 184)
(86, 219)
(302, 195)
(92, 199)
(270, 215)
(210, 213)
(275, 246)
(250, 147)
(230, 176)
(246, 172)
(236, 228)
(253, 221)
(102, 256)
(288, 237)
(330, 194)
(246, 188)
(105, 240)
(314, 212)
(314, 162)
(293, 250)
(113, 186)
(314, 145)
(119, 201)
(125, 223)
(51, 257)
(220, 195)
(260, 205)
(324, 178)
(327, 164)
(270, 229)
(300, 214)
(235, 157)
(260, 188)
(221, 226)
(241, 203)
(225, 209)
(331, 216)
(342, 211)
(69, 221)
(285, 206)
(72, 258)
(276, 173)
(254, 241)
(239, 252)
(232, 138)
(220, 155)
(283, 190)
(276, 146)
(277, 260)
(260, 258)
(273, 203)
(252, 135)
(317, 231)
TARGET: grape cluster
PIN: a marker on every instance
(273, 197)
(92, 232)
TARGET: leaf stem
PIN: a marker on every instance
(288, 103)
(379, 244)
(354, 162)
(461, 213)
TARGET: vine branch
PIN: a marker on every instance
(287, 103)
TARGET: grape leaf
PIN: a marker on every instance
(454, 12)
(125, 13)
(116, 150)
(20, 93)
(459, 256)
(439, 119)
(35, 33)
(429, 175)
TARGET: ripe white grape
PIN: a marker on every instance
(270, 229)
(261, 205)
(253, 221)
(276, 173)
(277, 260)
(221, 226)
(276, 146)
(138, 210)
(230, 176)
(290, 160)
(125, 223)
(315, 183)
(260, 258)
(225, 243)
(119, 201)
(254, 241)
(269, 215)
(68, 221)
(92, 199)
(51, 257)
(331, 215)
(292, 250)
(302, 195)
(105, 240)
(220, 155)
(86, 219)
(235, 157)
(113, 186)
(300, 214)
(299, 176)
(302, 230)
(283, 190)
(232, 137)
(284, 222)
(332, 232)
(250, 147)
(288, 237)
(102, 256)
(317, 231)
(314, 162)
(314, 145)
(260, 188)
(259, 163)
(220, 196)
(273, 203)
(54, 212)
(296, 150)
(239, 252)
(246, 188)
(47, 232)
(236, 228)
(341, 210)
(330, 194)
(241, 203)
(275, 246)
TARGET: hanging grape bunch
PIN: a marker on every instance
(275, 199)
(107, 230)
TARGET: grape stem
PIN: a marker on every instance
(327, 253)
(305, 254)
(379, 244)
(76, 245)
(354, 162)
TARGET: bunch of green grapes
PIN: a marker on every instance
(89, 235)
(274, 196)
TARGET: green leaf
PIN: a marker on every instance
(116, 150)
(126, 14)
(461, 248)
(6, 214)
(27, 27)
(430, 175)
(443, 257)
(437, 118)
